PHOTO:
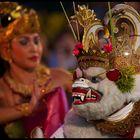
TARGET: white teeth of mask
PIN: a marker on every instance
(82, 98)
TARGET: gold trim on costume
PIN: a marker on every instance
(122, 127)
(43, 78)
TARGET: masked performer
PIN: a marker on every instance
(106, 89)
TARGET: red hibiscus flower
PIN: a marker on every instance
(78, 46)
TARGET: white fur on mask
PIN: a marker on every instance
(111, 101)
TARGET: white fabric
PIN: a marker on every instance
(37, 133)
(59, 133)
(121, 114)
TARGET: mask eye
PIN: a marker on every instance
(95, 79)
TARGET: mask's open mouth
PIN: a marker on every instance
(85, 95)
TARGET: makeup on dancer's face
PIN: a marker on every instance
(36, 40)
(25, 40)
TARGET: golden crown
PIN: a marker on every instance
(126, 50)
(15, 20)
(97, 47)
(92, 52)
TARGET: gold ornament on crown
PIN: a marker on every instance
(125, 51)
(87, 19)
(21, 20)
(92, 54)
(126, 22)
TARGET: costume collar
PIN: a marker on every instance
(124, 126)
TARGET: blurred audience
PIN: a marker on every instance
(61, 55)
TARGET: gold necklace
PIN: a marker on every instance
(43, 75)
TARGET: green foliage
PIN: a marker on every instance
(126, 82)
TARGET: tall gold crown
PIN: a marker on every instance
(98, 50)
(15, 20)
(92, 53)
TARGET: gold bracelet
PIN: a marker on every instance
(24, 108)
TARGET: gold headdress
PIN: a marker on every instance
(126, 51)
(120, 58)
(15, 20)
(92, 53)
(97, 49)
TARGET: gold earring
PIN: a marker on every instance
(9, 55)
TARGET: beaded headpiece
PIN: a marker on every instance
(16, 20)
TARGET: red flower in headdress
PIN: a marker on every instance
(75, 51)
(113, 75)
(78, 46)
(108, 47)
